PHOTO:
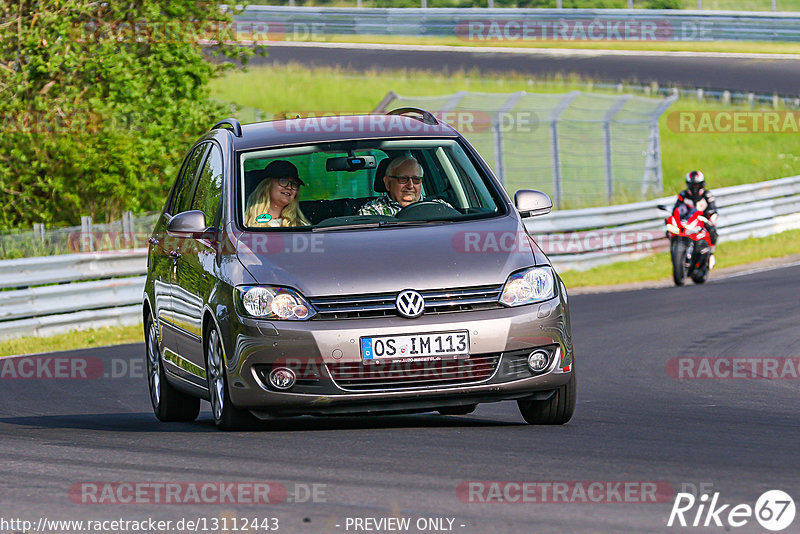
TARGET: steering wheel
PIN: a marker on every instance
(425, 209)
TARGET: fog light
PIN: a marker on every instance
(537, 361)
(282, 378)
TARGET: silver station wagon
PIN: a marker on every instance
(350, 265)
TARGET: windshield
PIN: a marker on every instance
(362, 184)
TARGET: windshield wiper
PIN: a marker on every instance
(413, 223)
(345, 226)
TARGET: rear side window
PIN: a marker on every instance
(209, 186)
(183, 193)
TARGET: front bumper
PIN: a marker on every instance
(503, 336)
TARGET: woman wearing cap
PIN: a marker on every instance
(274, 202)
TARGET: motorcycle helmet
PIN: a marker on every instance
(695, 181)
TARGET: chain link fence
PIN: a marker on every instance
(129, 232)
(582, 149)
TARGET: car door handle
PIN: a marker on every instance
(174, 254)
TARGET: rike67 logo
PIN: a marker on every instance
(774, 510)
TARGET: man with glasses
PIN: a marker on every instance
(403, 181)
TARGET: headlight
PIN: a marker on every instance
(270, 302)
(526, 287)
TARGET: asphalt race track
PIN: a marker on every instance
(633, 423)
(709, 72)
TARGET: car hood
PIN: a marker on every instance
(342, 262)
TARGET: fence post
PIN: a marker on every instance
(554, 115)
(497, 133)
(653, 161)
(87, 239)
(607, 118)
(127, 229)
(38, 229)
(490, 4)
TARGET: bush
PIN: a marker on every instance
(663, 4)
(99, 101)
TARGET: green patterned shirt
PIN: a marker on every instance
(385, 205)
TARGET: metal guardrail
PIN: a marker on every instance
(509, 25)
(61, 293)
(55, 294)
(584, 238)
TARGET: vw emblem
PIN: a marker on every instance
(410, 304)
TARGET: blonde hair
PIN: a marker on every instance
(258, 203)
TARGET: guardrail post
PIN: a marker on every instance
(490, 4)
(87, 239)
(554, 115)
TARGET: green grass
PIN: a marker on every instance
(726, 159)
(83, 339)
(658, 266)
(738, 47)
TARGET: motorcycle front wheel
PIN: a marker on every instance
(678, 252)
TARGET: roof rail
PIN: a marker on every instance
(233, 123)
(427, 116)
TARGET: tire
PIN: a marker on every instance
(701, 277)
(458, 410)
(169, 404)
(678, 251)
(226, 415)
(556, 410)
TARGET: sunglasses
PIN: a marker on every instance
(288, 183)
(403, 180)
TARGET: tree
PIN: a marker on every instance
(99, 102)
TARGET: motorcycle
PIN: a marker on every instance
(689, 244)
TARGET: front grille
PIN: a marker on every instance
(383, 304)
(358, 376)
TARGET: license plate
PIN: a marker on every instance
(416, 346)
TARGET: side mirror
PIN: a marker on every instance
(531, 203)
(188, 224)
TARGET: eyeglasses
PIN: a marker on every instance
(288, 183)
(403, 180)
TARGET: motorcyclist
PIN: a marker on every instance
(696, 196)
